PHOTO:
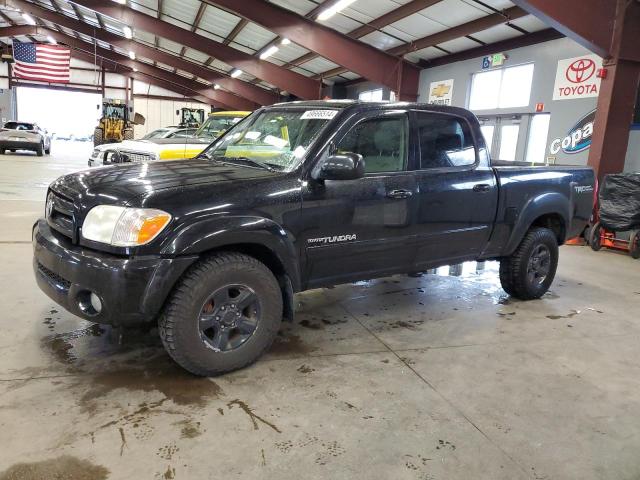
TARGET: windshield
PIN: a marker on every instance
(114, 111)
(156, 134)
(276, 139)
(216, 125)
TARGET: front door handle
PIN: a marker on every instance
(482, 187)
(399, 194)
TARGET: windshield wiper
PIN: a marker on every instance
(248, 160)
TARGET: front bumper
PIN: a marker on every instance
(132, 290)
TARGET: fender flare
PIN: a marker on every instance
(213, 233)
(551, 203)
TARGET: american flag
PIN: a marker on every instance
(41, 62)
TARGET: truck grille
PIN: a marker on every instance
(59, 213)
(132, 157)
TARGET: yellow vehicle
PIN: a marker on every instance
(115, 124)
(167, 148)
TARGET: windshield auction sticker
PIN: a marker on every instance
(319, 114)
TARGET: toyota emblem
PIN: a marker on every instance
(49, 206)
(581, 70)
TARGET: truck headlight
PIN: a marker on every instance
(124, 227)
(95, 153)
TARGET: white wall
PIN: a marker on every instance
(160, 113)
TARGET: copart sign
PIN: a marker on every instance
(578, 138)
(577, 78)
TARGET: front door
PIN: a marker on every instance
(357, 229)
(457, 192)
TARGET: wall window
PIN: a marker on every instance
(537, 143)
(371, 95)
(382, 142)
(503, 88)
(445, 141)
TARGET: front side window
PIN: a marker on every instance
(445, 141)
(277, 139)
(382, 142)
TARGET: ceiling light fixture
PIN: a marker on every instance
(285, 41)
(268, 52)
(132, 55)
(29, 19)
(331, 11)
(121, 2)
(236, 73)
(216, 86)
(128, 33)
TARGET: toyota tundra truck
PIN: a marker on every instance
(297, 196)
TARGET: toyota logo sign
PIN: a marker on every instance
(576, 78)
(581, 70)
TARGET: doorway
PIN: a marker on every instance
(521, 138)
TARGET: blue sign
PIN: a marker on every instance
(486, 62)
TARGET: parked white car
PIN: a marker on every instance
(24, 136)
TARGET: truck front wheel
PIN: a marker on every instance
(223, 315)
(528, 273)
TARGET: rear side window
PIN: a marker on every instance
(382, 142)
(18, 126)
(445, 141)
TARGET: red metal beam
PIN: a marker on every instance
(284, 79)
(255, 94)
(371, 63)
(618, 93)
(215, 97)
(16, 31)
(143, 70)
(463, 30)
(388, 18)
(588, 22)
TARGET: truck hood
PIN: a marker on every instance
(121, 184)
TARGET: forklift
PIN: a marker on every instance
(190, 117)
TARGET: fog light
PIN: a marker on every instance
(96, 303)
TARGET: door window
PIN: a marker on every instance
(382, 142)
(445, 141)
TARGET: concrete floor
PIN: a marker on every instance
(436, 377)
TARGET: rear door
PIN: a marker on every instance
(457, 193)
(356, 229)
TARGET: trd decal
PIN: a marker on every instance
(584, 188)
(335, 239)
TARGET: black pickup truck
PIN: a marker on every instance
(296, 196)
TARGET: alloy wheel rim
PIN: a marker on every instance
(539, 265)
(229, 317)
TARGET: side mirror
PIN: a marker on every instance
(344, 166)
(178, 112)
(98, 107)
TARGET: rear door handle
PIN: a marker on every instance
(399, 194)
(482, 187)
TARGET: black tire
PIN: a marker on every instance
(634, 244)
(40, 150)
(127, 134)
(48, 150)
(180, 323)
(2, 151)
(529, 272)
(12, 151)
(595, 237)
(98, 137)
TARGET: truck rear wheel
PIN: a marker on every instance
(528, 273)
(223, 315)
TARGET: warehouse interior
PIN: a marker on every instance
(437, 373)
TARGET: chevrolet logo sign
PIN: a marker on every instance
(440, 90)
